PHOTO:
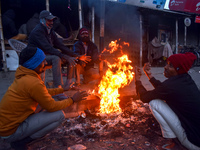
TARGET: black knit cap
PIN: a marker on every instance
(26, 54)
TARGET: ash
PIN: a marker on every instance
(134, 128)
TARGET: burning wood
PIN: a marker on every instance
(118, 75)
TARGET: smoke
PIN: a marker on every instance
(121, 20)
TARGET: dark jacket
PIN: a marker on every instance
(183, 97)
(39, 37)
(92, 51)
(9, 28)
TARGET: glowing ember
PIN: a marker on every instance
(118, 75)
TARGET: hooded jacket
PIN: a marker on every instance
(23, 97)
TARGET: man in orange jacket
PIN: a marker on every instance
(20, 124)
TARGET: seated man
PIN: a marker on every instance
(20, 123)
(86, 47)
(44, 37)
(175, 102)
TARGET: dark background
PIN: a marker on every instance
(25, 9)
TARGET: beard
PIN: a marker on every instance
(85, 39)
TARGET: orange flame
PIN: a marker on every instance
(117, 76)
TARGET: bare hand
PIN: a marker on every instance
(147, 70)
(78, 96)
(70, 60)
(85, 58)
(138, 73)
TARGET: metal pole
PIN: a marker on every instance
(47, 5)
(176, 52)
(2, 43)
(185, 36)
(140, 40)
(93, 23)
(80, 14)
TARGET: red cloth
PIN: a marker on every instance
(182, 62)
(83, 30)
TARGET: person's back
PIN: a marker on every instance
(9, 28)
(32, 22)
(59, 28)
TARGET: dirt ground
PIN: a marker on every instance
(133, 129)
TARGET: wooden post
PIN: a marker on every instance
(102, 28)
(140, 40)
(80, 14)
(93, 22)
(2, 43)
(47, 5)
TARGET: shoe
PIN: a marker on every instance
(21, 144)
(168, 146)
(174, 145)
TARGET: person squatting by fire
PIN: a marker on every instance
(20, 124)
(175, 102)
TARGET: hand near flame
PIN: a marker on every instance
(78, 96)
(147, 70)
(70, 60)
(85, 58)
(138, 73)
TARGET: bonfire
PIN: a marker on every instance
(118, 75)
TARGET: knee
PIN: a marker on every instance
(57, 60)
(155, 104)
(61, 116)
